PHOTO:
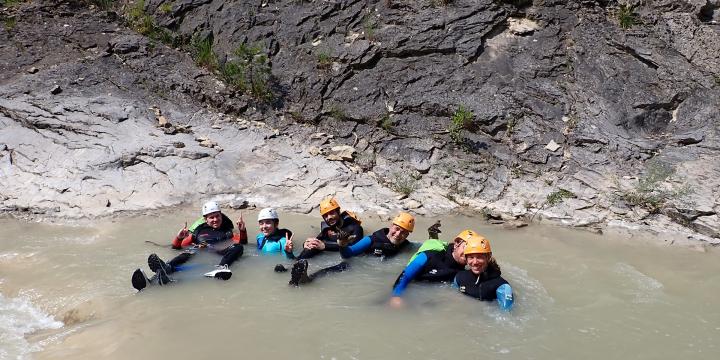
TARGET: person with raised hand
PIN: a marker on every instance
(336, 224)
(271, 238)
(213, 232)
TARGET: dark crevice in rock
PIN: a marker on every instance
(634, 53)
(707, 12)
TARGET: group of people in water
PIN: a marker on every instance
(341, 231)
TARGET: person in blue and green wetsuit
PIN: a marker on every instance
(271, 239)
(483, 281)
(435, 261)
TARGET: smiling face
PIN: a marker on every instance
(397, 235)
(268, 226)
(478, 262)
(458, 252)
(332, 218)
(214, 219)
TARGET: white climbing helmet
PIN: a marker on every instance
(210, 207)
(268, 213)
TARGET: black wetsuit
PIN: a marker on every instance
(328, 235)
(481, 287)
(377, 244)
(204, 233)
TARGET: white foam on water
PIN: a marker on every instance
(643, 288)
(19, 318)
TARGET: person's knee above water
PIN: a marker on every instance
(385, 242)
(272, 239)
(213, 230)
(483, 279)
(336, 224)
(435, 261)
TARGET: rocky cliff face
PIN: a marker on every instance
(585, 113)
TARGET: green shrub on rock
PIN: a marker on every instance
(249, 72)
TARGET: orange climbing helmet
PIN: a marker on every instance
(405, 221)
(328, 205)
(477, 244)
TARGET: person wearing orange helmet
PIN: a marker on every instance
(483, 281)
(386, 242)
(336, 224)
(435, 261)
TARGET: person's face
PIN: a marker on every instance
(214, 219)
(397, 235)
(267, 226)
(332, 217)
(458, 251)
(478, 262)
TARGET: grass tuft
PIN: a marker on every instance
(404, 183)
(558, 196)
(626, 16)
(462, 119)
(202, 52)
(649, 192)
(9, 23)
(249, 72)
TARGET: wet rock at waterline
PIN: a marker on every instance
(547, 112)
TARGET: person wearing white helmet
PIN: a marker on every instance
(214, 231)
(272, 239)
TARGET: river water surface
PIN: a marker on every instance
(65, 293)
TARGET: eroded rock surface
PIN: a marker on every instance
(575, 120)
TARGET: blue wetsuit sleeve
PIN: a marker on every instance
(259, 241)
(410, 272)
(356, 248)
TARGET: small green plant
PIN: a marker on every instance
(366, 160)
(249, 72)
(337, 112)
(460, 120)
(9, 23)
(572, 122)
(10, 3)
(558, 196)
(369, 27)
(648, 192)
(404, 183)
(144, 24)
(165, 8)
(511, 125)
(202, 52)
(323, 60)
(626, 16)
(386, 122)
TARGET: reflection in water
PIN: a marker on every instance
(578, 295)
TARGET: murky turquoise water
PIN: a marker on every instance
(65, 293)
